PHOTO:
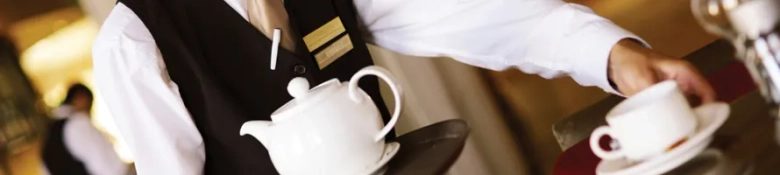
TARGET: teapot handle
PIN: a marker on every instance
(384, 74)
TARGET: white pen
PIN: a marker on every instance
(275, 48)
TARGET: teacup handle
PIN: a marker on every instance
(385, 75)
(596, 147)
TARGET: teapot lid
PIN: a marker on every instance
(303, 97)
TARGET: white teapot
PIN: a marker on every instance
(333, 128)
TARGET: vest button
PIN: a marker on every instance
(299, 69)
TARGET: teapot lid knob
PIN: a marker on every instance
(298, 87)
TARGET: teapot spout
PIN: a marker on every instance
(256, 128)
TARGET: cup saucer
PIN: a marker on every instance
(391, 148)
(709, 116)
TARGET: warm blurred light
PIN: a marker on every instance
(66, 45)
(713, 8)
(729, 4)
(54, 96)
(63, 58)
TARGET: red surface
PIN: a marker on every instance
(730, 83)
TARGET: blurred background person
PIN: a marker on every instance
(74, 146)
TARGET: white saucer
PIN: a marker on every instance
(710, 117)
(391, 148)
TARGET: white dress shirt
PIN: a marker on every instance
(545, 37)
(88, 145)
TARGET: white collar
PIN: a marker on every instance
(239, 6)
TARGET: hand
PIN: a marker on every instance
(633, 67)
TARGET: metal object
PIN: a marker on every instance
(751, 26)
(430, 150)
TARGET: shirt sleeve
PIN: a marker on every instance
(91, 147)
(550, 38)
(145, 103)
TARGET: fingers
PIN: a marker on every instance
(646, 79)
(630, 67)
(646, 67)
(636, 80)
(689, 79)
(699, 86)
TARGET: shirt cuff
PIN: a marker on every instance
(597, 40)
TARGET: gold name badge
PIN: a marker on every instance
(327, 33)
(334, 51)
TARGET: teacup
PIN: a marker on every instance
(647, 124)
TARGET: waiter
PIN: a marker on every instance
(73, 145)
(181, 76)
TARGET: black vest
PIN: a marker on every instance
(221, 64)
(55, 154)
